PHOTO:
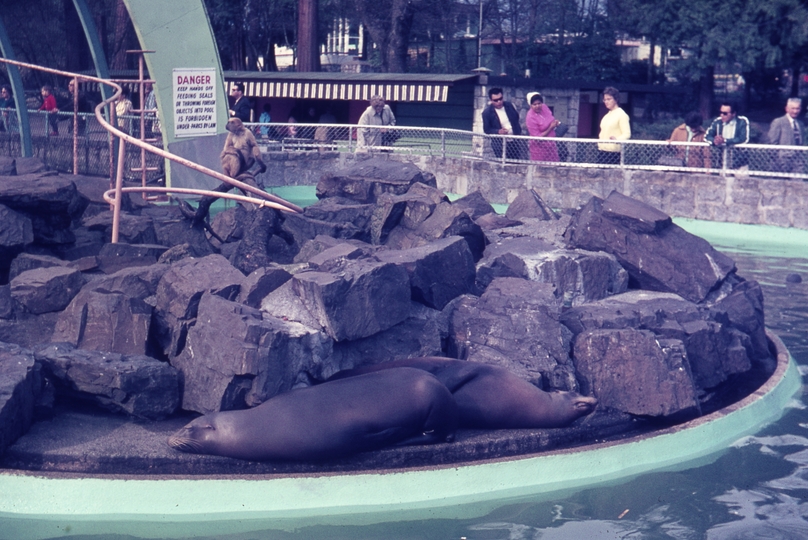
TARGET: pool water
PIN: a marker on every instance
(756, 489)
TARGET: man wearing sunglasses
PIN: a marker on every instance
(501, 118)
(728, 130)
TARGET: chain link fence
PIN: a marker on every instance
(52, 134)
(762, 160)
(52, 142)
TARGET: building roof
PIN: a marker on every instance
(346, 86)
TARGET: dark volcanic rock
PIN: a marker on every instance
(356, 301)
(260, 283)
(528, 204)
(180, 290)
(364, 181)
(444, 221)
(421, 334)
(577, 276)
(115, 257)
(108, 322)
(253, 250)
(714, 350)
(28, 330)
(744, 311)
(43, 290)
(514, 324)
(136, 385)
(31, 165)
(635, 372)
(16, 232)
(237, 358)
(137, 282)
(350, 299)
(475, 205)
(28, 261)
(341, 210)
(493, 221)
(172, 229)
(303, 228)
(20, 386)
(658, 255)
(51, 202)
(132, 229)
(439, 271)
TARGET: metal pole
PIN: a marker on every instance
(443, 143)
(75, 126)
(480, 38)
(116, 205)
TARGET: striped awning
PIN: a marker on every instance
(434, 92)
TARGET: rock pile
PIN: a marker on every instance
(611, 300)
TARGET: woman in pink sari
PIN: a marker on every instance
(541, 123)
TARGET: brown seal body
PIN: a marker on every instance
(338, 418)
(491, 397)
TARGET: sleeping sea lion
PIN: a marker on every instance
(334, 419)
(491, 397)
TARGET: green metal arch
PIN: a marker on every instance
(19, 92)
(96, 50)
(180, 34)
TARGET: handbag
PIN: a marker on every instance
(390, 137)
(561, 129)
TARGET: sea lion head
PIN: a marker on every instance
(570, 406)
(197, 437)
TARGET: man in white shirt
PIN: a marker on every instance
(501, 118)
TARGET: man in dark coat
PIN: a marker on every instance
(241, 108)
(501, 118)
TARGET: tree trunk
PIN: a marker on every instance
(650, 76)
(706, 93)
(124, 36)
(402, 14)
(77, 51)
(308, 54)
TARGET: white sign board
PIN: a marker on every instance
(194, 102)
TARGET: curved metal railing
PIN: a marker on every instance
(113, 196)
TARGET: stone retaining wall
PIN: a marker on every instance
(734, 199)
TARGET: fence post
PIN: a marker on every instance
(622, 155)
(443, 143)
(504, 149)
(350, 138)
(725, 159)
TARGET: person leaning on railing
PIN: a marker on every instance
(691, 132)
(7, 113)
(50, 108)
(377, 114)
(728, 130)
(614, 126)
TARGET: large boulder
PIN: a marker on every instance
(366, 180)
(254, 250)
(529, 204)
(421, 334)
(714, 351)
(137, 385)
(44, 290)
(514, 324)
(439, 271)
(350, 302)
(657, 254)
(136, 282)
(238, 357)
(105, 321)
(20, 385)
(51, 202)
(577, 276)
(443, 221)
(636, 372)
(16, 232)
(179, 291)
